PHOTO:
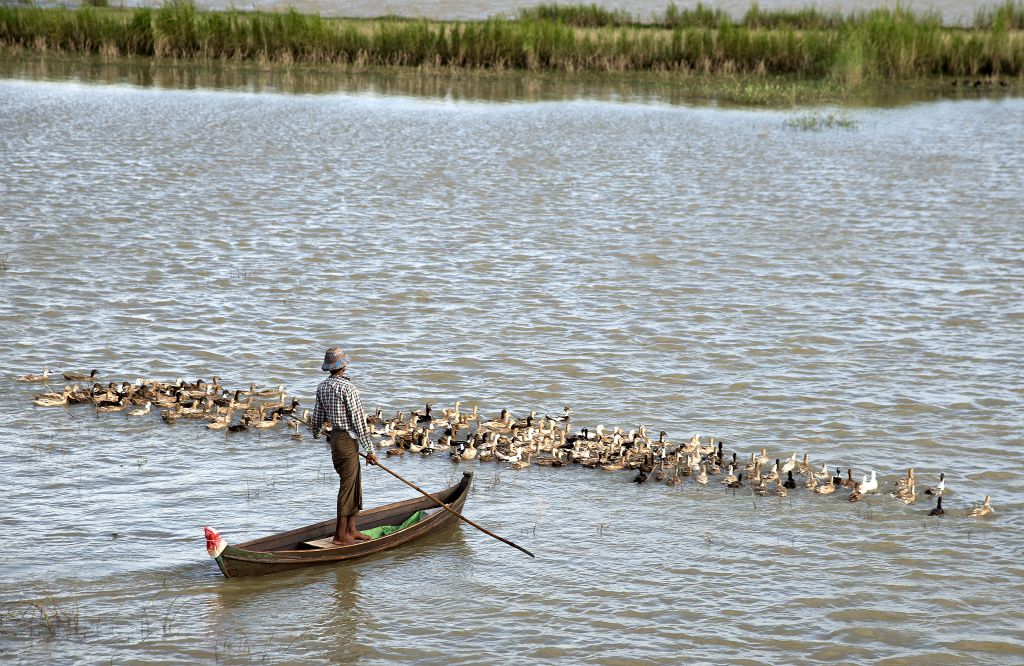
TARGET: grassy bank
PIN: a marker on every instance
(878, 46)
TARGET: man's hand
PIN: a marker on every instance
(371, 459)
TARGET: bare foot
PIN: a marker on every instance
(345, 541)
(359, 535)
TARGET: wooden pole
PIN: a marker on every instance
(440, 503)
(451, 510)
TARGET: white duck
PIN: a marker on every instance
(866, 485)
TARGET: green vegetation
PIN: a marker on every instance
(815, 122)
(872, 47)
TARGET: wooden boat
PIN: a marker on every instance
(293, 549)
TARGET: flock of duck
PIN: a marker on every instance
(209, 402)
(546, 441)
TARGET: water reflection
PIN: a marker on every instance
(442, 86)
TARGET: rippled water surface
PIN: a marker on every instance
(852, 293)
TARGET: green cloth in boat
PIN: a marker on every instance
(384, 530)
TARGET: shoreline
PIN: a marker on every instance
(480, 85)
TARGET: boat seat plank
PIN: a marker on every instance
(326, 542)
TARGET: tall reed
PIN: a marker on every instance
(869, 46)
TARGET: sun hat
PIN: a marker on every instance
(334, 359)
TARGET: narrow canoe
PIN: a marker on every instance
(288, 550)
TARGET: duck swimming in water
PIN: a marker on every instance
(936, 491)
(867, 485)
(938, 510)
(79, 377)
(983, 510)
(53, 399)
(34, 378)
(826, 488)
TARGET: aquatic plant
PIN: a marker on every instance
(815, 122)
(56, 618)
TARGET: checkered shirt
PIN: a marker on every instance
(338, 401)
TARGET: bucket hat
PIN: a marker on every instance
(334, 359)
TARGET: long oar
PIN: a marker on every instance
(441, 504)
(449, 509)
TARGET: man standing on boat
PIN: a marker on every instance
(338, 401)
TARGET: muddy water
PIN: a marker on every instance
(853, 293)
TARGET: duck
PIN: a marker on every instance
(904, 482)
(938, 510)
(811, 482)
(789, 465)
(838, 478)
(936, 491)
(867, 485)
(616, 466)
(424, 416)
(738, 482)
(906, 494)
(790, 482)
(502, 425)
(268, 423)
(237, 427)
(729, 479)
(781, 489)
(805, 466)
(420, 442)
(763, 458)
(224, 421)
(113, 405)
(983, 510)
(565, 416)
(826, 488)
(142, 411)
(702, 477)
(523, 464)
(264, 393)
(823, 474)
(640, 477)
(34, 378)
(470, 451)
(848, 482)
(172, 414)
(377, 420)
(53, 399)
(79, 377)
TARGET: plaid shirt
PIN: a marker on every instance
(337, 401)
